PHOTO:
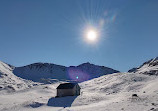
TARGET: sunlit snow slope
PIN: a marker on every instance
(150, 67)
(10, 82)
(107, 93)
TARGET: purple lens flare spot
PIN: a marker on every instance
(77, 74)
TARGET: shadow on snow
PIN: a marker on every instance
(61, 101)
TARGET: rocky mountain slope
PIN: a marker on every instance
(80, 73)
(150, 67)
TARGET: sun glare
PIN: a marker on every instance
(91, 35)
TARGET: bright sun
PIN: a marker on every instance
(92, 35)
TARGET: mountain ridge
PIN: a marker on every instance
(80, 73)
(39, 70)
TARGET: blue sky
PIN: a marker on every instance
(54, 30)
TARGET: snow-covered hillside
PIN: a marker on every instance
(107, 93)
(80, 73)
(10, 82)
(150, 67)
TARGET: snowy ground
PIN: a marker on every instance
(107, 93)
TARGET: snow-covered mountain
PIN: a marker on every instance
(150, 67)
(80, 73)
(37, 71)
(112, 92)
(10, 82)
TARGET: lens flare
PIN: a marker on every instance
(77, 74)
